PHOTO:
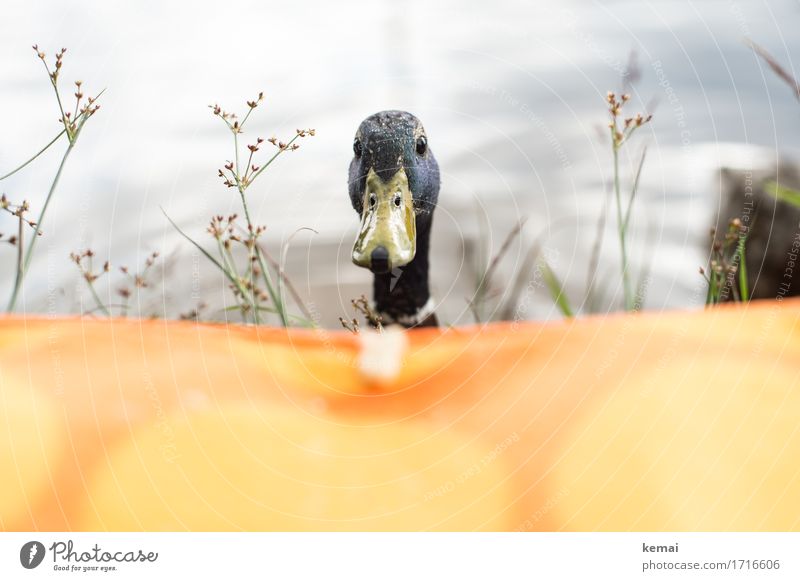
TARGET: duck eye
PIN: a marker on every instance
(422, 145)
(358, 149)
(397, 200)
(373, 199)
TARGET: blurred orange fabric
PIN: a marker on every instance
(655, 421)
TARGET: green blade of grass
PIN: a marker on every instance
(256, 251)
(783, 193)
(556, 289)
(714, 288)
(237, 283)
(276, 300)
(634, 189)
(41, 151)
(228, 263)
(302, 320)
(282, 264)
(22, 270)
(594, 258)
(744, 291)
(99, 303)
(626, 284)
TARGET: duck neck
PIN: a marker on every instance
(402, 296)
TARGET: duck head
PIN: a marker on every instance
(394, 187)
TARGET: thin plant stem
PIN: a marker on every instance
(268, 283)
(281, 270)
(556, 289)
(271, 159)
(744, 291)
(229, 264)
(100, 305)
(264, 272)
(644, 275)
(713, 287)
(486, 281)
(481, 265)
(251, 250)
(776, 67)
(249, 274)
(503, 249)
(114, 305)
(246, 117)
(523, 273)
(289, 286)
(236, 150)
(621, 230)
(248, 166)
(594, 257)
(21, 272)
(20, 243)
(54, 83)
(237, 283)
(45, 148)
(635, 188)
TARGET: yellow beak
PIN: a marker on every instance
(388, 235)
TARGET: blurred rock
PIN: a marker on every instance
(773, 225)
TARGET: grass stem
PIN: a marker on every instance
(22, 268)
(45, 148)
(622, 234)
(98, 302)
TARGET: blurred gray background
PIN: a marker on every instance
(512, 97)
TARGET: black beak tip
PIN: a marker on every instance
(379, 260)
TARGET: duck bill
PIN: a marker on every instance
(388, 235)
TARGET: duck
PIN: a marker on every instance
(394, 186)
